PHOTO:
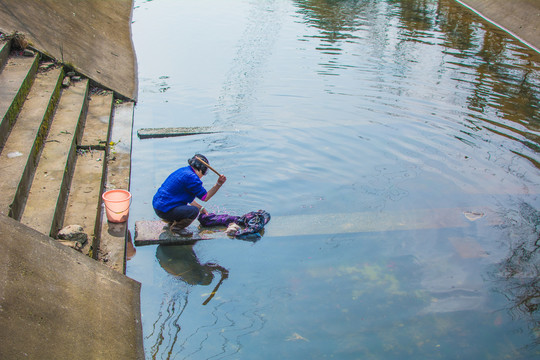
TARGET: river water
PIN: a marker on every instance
(396, 146)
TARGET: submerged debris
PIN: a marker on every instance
(295, 337)
(473, 215)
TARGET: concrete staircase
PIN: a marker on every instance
(63, 142)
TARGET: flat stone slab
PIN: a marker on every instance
(155, 232)
(176, 131)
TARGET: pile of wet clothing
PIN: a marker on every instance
(248, 226)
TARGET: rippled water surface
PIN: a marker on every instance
(396, 146)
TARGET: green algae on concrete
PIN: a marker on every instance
(46, 203)
(84, 199)
(96, 128)
(26, 141)
(17, 78)
(5, 48)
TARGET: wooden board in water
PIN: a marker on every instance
(154, 232)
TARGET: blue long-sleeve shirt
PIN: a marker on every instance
(180, 188)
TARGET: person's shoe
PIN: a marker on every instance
(179, 227)
(182, 232)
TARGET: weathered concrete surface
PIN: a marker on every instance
(92, 35)
(56, 303)
(520, 17)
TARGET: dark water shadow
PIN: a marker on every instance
(182, 262)
(517, 276)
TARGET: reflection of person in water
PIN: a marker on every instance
(182, 262)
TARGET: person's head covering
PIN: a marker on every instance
(197, 165)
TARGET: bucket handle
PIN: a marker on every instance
(117, 212)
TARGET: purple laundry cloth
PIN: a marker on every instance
(217, 219)
(254, 222)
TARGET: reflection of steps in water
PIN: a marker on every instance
(452, 286)
(457, 300)
(254, 50)
(342, 223)
(467, 247)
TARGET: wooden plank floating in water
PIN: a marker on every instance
(148, 133)
(154, 232)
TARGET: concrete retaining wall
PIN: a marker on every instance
(519, 17)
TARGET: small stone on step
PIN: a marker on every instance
(46, 66)
(73, 233)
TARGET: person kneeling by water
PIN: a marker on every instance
(174, 202)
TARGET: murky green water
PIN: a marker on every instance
(396, 145)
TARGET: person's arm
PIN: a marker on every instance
(199, 206)
(215, 188)
(209, 194)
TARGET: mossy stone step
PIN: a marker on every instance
(83, 206)
(46, 202)
(96, 130)
(112, 237)
(5, 48)
(15, 82)
(20, 154)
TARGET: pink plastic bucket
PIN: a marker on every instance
(117, 205)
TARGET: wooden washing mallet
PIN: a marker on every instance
(208, 165)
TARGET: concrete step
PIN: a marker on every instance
(58, 149)
(96, 131)
(20, 155)
(83, 207)
(16, 79)
(58, 304)
(113, 236)
(5, 48)
(45, 206)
